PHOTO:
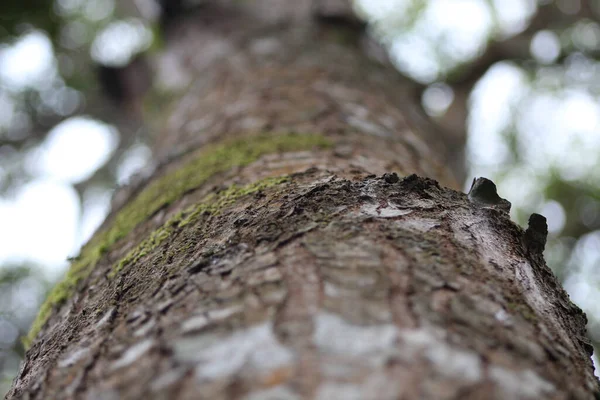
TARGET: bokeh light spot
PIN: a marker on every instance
(73, 150)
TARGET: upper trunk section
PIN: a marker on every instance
(233, 74)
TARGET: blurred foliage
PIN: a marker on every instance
(22, 289)
(15, 16)
(80, 39)
(544, 53)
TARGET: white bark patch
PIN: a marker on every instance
(199, 322)
(367, 127)
(198, 125)
(267, 275)
(332, 290)
(504, 317)
(372, 344)
(144, 329)
(339, 391)
(373, 387)
(194, 324)
(524, 276)
(418, 224)
(250, 123)
(100, 394)
(265, 46)
(357, 110)
(220, 314)
(170, 72)
(72, 358)
(133, 353)
(273, 297)
(214, 48)
(448, 361)
(341, 93)
(423, 148)
(388, 211)
(521, 384)
(167, 379)
(105, 318)
(277, 393)
(237, 108)
(218, 356)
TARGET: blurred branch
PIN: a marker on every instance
(548, 17)
(516, 48)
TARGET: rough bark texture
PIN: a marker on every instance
(276, 266)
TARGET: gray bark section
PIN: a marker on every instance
(330, 288)
(233, 74)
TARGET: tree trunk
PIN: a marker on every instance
(275, 253)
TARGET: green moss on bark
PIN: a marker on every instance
(213, 204)
(162, 192)
(210, 161)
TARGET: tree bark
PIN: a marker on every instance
(275, 253)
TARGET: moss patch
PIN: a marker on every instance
(210, 161)
(213, 205)
(162, 192)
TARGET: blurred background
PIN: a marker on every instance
(514, 84)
